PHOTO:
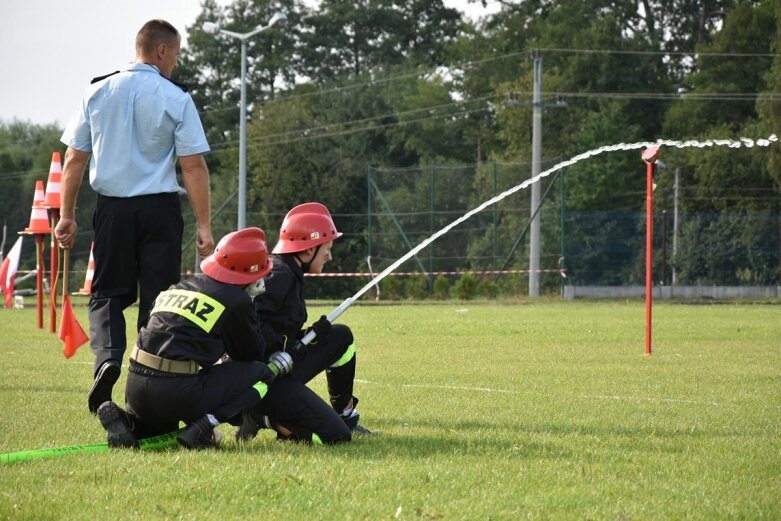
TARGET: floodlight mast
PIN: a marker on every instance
(214, 28)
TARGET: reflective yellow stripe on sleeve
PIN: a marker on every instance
(200, 309)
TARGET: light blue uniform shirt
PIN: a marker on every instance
(135, 124)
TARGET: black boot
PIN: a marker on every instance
(117, 425)
(107, 376)
(198, 435)
(352, 423)
(250, 425)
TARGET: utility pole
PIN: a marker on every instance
(534, 231)
(675, 219)
(534, 221)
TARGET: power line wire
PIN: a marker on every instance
(607, 95)
(663, 53)
(375, 82)
(463, 65)
(715, 96)
(367, 129)
(466, 64)
(368, 120)
(683, 96)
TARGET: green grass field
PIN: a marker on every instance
(486, 411)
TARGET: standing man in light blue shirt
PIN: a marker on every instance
(131, 127)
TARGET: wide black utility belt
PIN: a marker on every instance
(165, 365)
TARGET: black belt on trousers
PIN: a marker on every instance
(165, 365)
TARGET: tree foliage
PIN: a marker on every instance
(412, 85)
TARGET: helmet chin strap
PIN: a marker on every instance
(305, 265)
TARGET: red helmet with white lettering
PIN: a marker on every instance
(240, 258)
(306, 226)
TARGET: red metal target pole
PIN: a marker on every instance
(650, 155)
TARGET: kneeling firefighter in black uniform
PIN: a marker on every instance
(174, 375)
(305, 241)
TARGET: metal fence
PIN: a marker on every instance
(601, 248)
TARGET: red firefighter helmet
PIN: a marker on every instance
(240, 258)
(305, 226)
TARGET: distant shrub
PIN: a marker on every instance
(488, 288)
(417, 287)
(466, 287)
(391, 288)
(516, 285)
(441, 287)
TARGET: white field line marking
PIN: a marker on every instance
(581, 396)
(432, 386)
(509, 391)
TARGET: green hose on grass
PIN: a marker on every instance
(164, 441)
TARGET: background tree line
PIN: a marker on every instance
(411, 84)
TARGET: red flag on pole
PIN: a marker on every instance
(71, 333)
(8, 272)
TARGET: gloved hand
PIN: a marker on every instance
(280, 363)
(322, 327)
(295, 348)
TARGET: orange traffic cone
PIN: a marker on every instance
(52, 199)
(39, 218)
(87, 289)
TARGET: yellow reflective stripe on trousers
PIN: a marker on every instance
(261, 388)
(316, 439)
(346, 357)
(200, 309)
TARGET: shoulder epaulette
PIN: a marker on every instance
(95, 80)
(180, 85)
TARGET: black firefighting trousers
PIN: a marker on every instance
(299, 409)
(157, 400)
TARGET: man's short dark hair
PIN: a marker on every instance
(153, 33)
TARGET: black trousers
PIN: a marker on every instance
(299, 409)
(321, 355)
(158, 401)
(293, 405)
(138, 243)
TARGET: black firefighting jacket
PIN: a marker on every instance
(202, 319)
(281, 309)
